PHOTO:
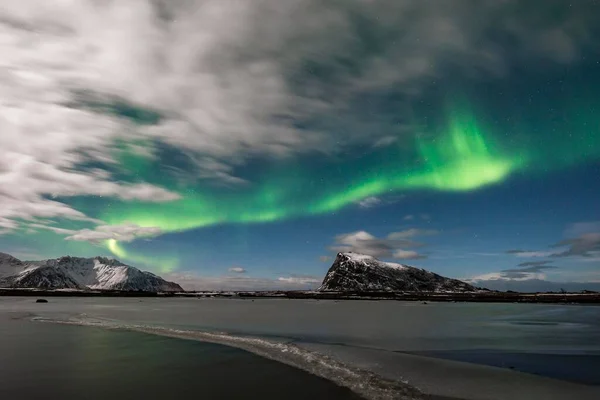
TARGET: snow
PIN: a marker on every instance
(359, 257)
(393, 265)
(97, 273)
(359, 272)
(370, 260)
(107, 276)
(10, 266)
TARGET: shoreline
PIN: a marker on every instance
(71, 362)
(354, 341)
(398, 376)
(591, 298)
(365, 383)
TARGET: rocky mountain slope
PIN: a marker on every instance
(361, 273)
(98, 273)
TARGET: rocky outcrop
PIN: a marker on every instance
(352, 272)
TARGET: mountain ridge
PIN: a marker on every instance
(67, 272)
(354, 272)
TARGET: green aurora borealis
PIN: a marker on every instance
(462, 156)
(246, 147)
(460, 160)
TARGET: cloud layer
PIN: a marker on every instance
(225, 80)
(585, 245)
(121, 233)
(392, 246)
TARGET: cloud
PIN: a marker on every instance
(193, 281)
(25, 254)
(411, 217)
(385, 141)
(325, 258)
(584, 242)
(374, 201)
(121, 233)
(369, 202)
(223, 83)
(534, 263)
(411, 233)
(301, 280)
(528, 272)
(534, 285)
(586, 245)
(580, 228)
(407, 255)
(30, 183)
(393, 245)
(237, 270)
(528, 253)
(362, 242)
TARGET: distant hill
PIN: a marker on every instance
(362, 273)
(98, 273)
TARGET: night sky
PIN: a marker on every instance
(241, 144)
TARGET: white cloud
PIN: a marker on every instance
(411, 233)
(392, 246)
(385, 141)
(530, 270)
(325, 258)
(28, 181)
(501, 276)
(581, 228)
(122, 233)
(531, 285)
(582, 243)
(374, 201)
(300, 280)
(221, 74)
(224, 81)
(530, 254)
(585, 245)
(407, 255)
(237, 270)
(410, 217)
(369, 202)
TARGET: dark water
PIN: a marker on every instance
(385, 338)
(51, 361)
(572, 367)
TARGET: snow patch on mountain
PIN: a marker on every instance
(10, 265)
(353, 272)
(98, 273)
(367, 260)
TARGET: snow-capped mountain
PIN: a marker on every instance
(10, 266)
(361, 273)
(98, 273)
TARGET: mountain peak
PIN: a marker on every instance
(354, 272)
(97, 273)
(367, 260)
(110, 261)
(7, 258)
